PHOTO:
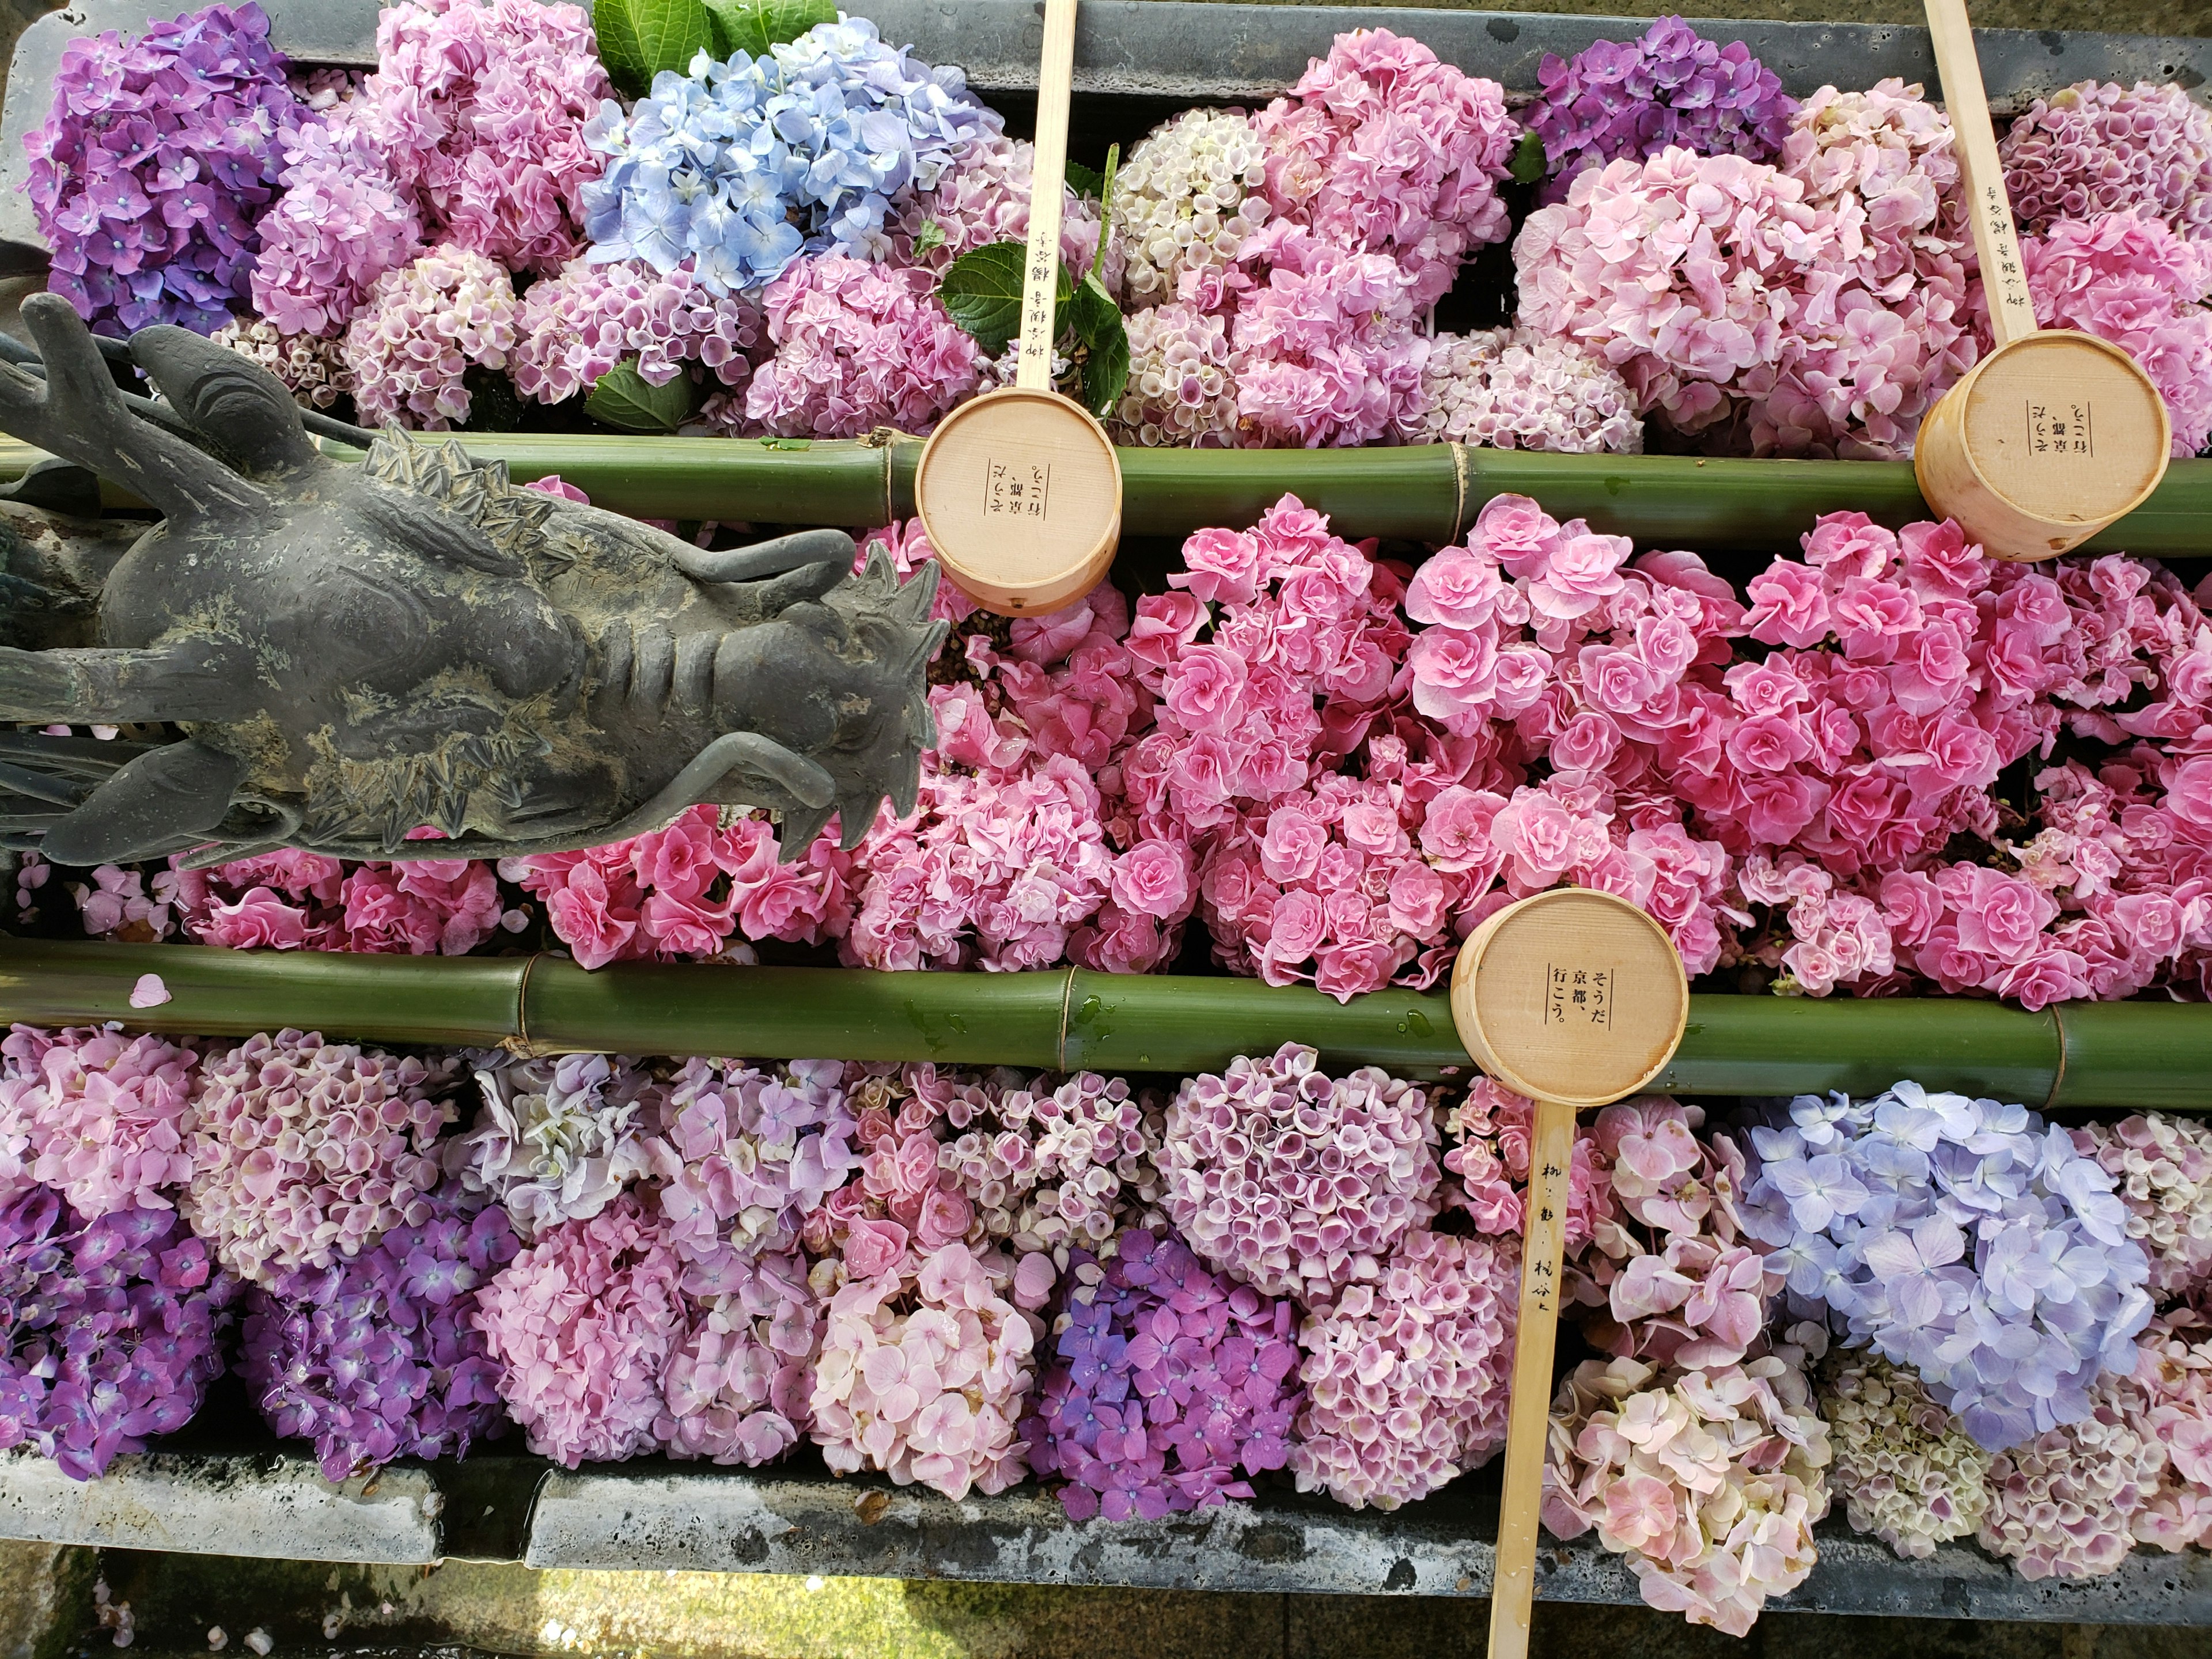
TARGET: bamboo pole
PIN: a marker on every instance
(1421, 493)
(2117, 1056)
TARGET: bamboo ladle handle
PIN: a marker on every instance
(1981, 175)
(1543, 1259)
(1041, 266)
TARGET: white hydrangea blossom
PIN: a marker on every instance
(1186, 199)
(1515, 389)
(1909, 1471)
(557, 1139)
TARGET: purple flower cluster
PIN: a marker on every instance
(110, 1330)
(1294, 1181)
(735, 1387)
(1170, 1384)
(754, 1151)
(1634, 98)
(158, 156)
(378, 1357)
(858, 346)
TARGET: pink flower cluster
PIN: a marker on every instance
(1540, 623)
(295, 901)
(1298, 267)
(576, 325)
(749, 1156)
(1668, 1274)
(1006, 862)
(1407, 1374)
(305, 1151)
(2127, 278)
(857, 346)
(1709, 1481)
(2073, 1502)
(582, 1324)
(2162, 1166)
(479, 106)
(685, 890)
(2091, 149)
(1506, 389)
(1294, 1182)
(1381, 149)
(1046, 1167)
(1491, 1158)
(421, 328)
(924, 1370)
(736, 1385)
(984, 197)
(1824, 302)
(101, 1117)
(343, 220)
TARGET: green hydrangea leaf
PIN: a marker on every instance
(982, 290)
(754, 25)
(1086, 181)
(625, 400)
(1528, 164)
(1096, 322)
(638, 39)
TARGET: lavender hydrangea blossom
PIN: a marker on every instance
(378, 1356)
(1964, 1238)
(739, 167)
(1171, 1385)
(1634, 98)
(157, 158)
(110, 1330)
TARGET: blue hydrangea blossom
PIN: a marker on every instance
(1965, 1238)
(740, 167)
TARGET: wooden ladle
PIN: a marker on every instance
(2055, 434)
(1575, 998)
(1019, 490)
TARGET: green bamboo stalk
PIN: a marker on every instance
(2124, 1056)
(1427, 493)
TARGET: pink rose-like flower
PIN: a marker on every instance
(1518, 532)
(1998, 915)
(1455, 589)
(258, 920)
(1206, 690)
(873, 1248)
(1583, 570)
(1223, 564)
(1153, 878)
(1296, 926)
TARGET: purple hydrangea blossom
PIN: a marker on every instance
(758, 1150)
(1170, 1385)
(741, 166)
(1634, 98)
(1963, 1237)
(156, 160)
(378, 1355)
(112, 1329)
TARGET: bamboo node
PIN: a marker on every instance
(1066, 1007)
(1461, 464)
(2058, 1076)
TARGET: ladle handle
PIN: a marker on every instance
(1048, 186)
(1528, 1428)
(1981, 175)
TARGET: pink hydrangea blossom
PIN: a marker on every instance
(419, 330)
(2092, 149)
(984, 197)
(924, 1370)
(101, 1117)
(343, 220)
(2127, 278)
(575, 325)
(1382, 149)
(856, 346)
(2162, 1165)
(479, 106)
(1709, 1481)
(305, 1151)
(583, 1324)
(1294, 1181)
(1408, 1376)
(1181, 391)
(1509, 389)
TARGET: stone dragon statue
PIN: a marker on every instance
(353, 651)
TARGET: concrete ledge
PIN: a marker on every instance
(270, 1506)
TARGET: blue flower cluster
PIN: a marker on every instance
(740, 167)
(1964, 1238)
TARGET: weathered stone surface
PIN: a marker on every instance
(354, 652)
(45, 1598)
